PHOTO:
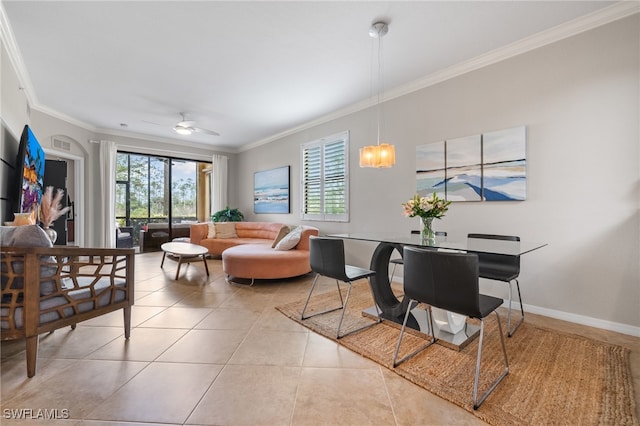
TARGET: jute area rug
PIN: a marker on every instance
(554, 378)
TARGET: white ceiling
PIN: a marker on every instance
(250, 70)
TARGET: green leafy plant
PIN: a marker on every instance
(227, 215)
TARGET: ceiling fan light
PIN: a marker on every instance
(181, 130)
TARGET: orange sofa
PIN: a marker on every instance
(250, 255)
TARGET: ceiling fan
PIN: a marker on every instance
(186, 127)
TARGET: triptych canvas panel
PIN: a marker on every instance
(486, 167)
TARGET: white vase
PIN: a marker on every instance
(52, 234)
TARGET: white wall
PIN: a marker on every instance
(579, 99)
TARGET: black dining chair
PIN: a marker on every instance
(449, 281)
(501, 267)
(327, 259)
(398, 261)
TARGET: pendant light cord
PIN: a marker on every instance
(379, 108)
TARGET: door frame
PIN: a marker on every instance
(78, 190)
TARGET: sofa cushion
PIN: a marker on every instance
(27, 236)
(211, 230)
(226, 230)
(260, 261)
(24, 236)
(290, 240)
(284, 230)
(102, 288)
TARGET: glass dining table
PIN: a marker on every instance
(393, 309)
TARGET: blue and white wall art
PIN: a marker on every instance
(430, 169)
(271, 191)
(504, 165)
(489, 167)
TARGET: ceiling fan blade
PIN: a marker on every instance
(151, 122)
(205, 131)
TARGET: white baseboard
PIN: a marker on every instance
(574, 318)
(578, 319)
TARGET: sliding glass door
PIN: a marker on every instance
(162, 191)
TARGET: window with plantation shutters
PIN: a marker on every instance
(325, 194)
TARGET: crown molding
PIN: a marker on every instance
(568, 29)
(9, 41)
(560, 32)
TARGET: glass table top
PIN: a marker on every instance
(475, 245)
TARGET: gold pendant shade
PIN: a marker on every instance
(378, 156)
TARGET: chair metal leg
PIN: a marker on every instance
(404, 326)
(476, 402)
(509, 330)
(344, 309)
(393, 273)
(346, 301)
(315, 280)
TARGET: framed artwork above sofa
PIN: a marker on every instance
(271, 191)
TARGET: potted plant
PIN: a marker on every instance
(227, 215)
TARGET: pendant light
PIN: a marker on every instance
(381, 154)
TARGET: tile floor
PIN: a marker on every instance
(203, 352)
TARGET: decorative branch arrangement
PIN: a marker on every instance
(51, 208)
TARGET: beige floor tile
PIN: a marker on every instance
(79, 388)
(13, 375)
(204, 346)
(110, 423)
(9, 348)
(246, 299)
(342, 396)
(160, 298)
(145, 344)
(221, 286)
(323, 352)
(162, 392)
(141, 294)
(203, 300)
(78, 343)
(266, 347)
(174, 317)
(229, 319)
(151, 284)
(139, 314)
(272, 319)
(185, 285)
(413, 405)
(36, 419)
(249, 395)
